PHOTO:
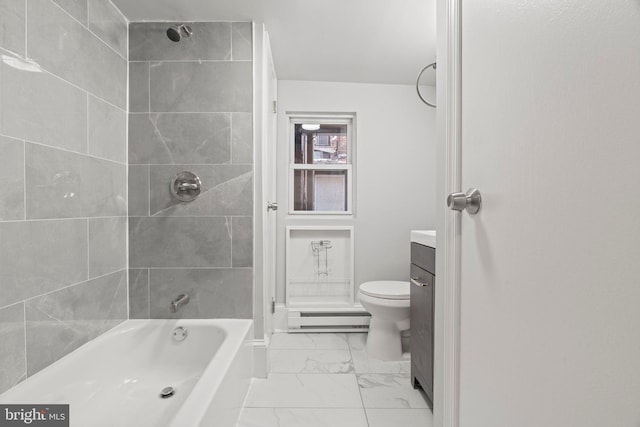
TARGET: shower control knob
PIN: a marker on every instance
(471, 201)
(185, 186)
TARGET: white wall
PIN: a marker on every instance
(394, 170)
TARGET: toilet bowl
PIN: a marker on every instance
(388, 303)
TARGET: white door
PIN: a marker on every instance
(550, 266)
(269, 182)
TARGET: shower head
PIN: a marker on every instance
(177, 32)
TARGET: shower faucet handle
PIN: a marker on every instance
(185, 186)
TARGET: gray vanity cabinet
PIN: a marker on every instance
(423, 260)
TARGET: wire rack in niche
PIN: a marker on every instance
(319, 270)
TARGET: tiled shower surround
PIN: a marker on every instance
(190, 109)
(63, 179)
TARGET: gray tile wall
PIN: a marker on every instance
(63, 191)
(190, 108)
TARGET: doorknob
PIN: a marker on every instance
(272, 206)
(471, 201)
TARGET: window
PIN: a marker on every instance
(321, 165)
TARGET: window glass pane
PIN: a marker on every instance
(320, 190)
(320, 144)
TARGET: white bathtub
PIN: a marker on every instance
(116, 379)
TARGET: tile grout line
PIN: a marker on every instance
(26, 32)
(24, 308)
(88, 250)
(24, 177)
(70, 286)
(149, 87)
(86, 27)
(41, 144)
(87, 124)
(231, 41)
(194, 61)
(366, 417)
(52, 74)
(78, 218)
(148, 293)
(148, 191)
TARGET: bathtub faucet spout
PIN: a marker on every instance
(177, 303)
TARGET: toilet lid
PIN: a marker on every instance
(389, 289)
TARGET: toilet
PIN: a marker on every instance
(388, 303)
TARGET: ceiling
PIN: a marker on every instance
(367, 41)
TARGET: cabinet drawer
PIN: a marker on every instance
(424, 257)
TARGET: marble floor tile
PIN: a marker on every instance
(327, 341)
(390, 391)
(364, 364)
(399, 417)
(305, 391)
(302, 417)
(311, 361)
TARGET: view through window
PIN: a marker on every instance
(321, 166)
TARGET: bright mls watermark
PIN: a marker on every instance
(34, 415)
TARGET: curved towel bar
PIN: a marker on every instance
(432, 65)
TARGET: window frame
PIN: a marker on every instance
(347, 119)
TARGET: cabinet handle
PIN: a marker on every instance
(416, 282)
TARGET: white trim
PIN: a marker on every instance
(348, 119)
(260, 358)
(449, 279)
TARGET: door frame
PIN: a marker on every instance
(449, 124)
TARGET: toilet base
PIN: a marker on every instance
(384, 340)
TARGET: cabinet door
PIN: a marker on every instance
(422, 329)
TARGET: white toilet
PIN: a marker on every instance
(388, 303)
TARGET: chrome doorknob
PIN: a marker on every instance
(471, 201)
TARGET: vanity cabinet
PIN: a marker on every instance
(423, 262)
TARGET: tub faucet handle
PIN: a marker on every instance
(180, 301)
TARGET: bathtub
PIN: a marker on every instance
(116, 380)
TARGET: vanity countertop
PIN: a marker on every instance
(424, 237)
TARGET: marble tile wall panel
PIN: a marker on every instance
(242, 241)
(11, 179)
(64, 47)
(41, 256)
(138, 293)
(39, 107)
(107, 136)
(242, 138)
(165, 138)
(225, 190)
(108, 23)
(60, 322)
(138, 87)
(179, 242)
(107, 245)
(76, 8)
(209, 41)
(12, 25)
(242, 49)
(61, 184)
(139, 190)
(13, 362)
(184, 99)
(214, 293)
(65, 108)
(201, 86)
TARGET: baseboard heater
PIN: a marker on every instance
(328, 321)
